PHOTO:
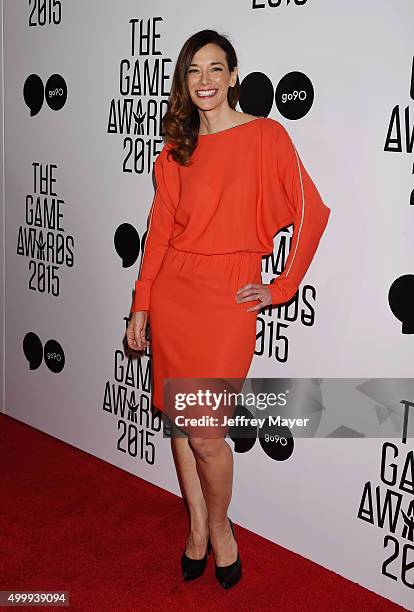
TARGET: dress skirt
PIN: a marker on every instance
(199, 331)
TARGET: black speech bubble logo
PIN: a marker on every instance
(127, 244)
(256, 94)
(401, 303)
(242, 442)
(33, 350)
(33, 93)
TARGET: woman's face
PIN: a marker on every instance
(208, 77)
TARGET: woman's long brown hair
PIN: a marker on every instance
(181, 121)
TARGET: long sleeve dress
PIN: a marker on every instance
(210, 224)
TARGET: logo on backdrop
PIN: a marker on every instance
(127, 397)
(45, 13)
(43, 239)
(52, 353)
(400, 135)
(293, 96)
(400, 139)
(272, 338)
(136, 112)
(128, 244)
(389, 505)
(259, 4)
(399, 299)
(55, 93)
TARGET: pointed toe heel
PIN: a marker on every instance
(194, 568)
(229, 575)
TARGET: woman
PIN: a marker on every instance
(227, 182)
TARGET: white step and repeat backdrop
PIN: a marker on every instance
(78, 188)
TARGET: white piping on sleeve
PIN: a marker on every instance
(148, 231)
(303, 211)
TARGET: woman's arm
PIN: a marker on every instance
(159, 228)
(305, 209)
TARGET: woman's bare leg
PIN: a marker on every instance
(214, 463)
(193, 495)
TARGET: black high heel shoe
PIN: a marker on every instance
(194, 568)
(228, 575)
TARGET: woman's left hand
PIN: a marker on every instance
(251, 292)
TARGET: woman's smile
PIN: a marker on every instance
(206, 93)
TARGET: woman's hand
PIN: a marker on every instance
(136, 331)
(254, 292)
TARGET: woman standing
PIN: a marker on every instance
(227, 182)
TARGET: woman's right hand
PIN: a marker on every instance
(136, 331)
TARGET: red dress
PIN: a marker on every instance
(209, 225)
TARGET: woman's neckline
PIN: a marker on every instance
(232, 128)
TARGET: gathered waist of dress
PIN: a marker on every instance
(254, 254)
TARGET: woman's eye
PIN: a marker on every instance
(195, 69)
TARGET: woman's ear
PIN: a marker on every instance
(234, 74)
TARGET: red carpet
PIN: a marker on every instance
(69, 521)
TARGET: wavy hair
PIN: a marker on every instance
(181, 121)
